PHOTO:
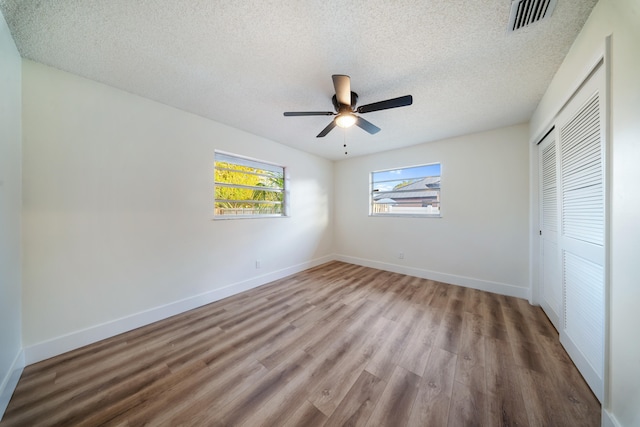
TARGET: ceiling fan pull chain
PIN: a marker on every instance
(344, 140)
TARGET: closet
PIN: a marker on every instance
(572, 232)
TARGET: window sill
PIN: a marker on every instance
(406, 215)
(225, 218)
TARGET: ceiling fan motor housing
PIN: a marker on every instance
(351, 108)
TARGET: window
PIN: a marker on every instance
(246, 188)
(412, 191)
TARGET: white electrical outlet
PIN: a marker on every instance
(401, 255)
(257, 263)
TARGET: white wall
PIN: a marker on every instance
(11, 360)
(621, 19)
(481, 240)
(118, 212)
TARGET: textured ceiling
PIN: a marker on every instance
(244, 63)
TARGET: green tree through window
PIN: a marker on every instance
(245, 188)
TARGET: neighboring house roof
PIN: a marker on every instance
(411, 191)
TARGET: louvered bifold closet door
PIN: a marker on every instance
(582, 198)
(549, 187)
(582, 180)
(551, 295)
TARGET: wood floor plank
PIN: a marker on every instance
(422, 332)
(493, 320)
(425, 290)
(189, 388)
(337, 344)
(213, 390)
(306, 415)
(120, 412)
(456, 301)
(249, 340)
(440, 296)
(329, 391)
(450, 332)
(473, 301)
(473, 322)
(239, 409)
(357, 405)
(321, 313)
(506, 404)
(394, 405)
(432, 402)
(541, 400)
(519, 331)
(470, 366)
(384, 361)
(283, 405)
(348, 325)
(527, 355)
(315, 336)
(535, 315)
(224, 372)
(53, 411)
(404, 291)
(468, 407)
(576, 396)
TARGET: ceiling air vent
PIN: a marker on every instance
(525, 12)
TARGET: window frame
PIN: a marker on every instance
(372, 210)
(239, 160)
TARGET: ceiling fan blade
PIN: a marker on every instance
(368, 126)
(401, 101)
(326, 130)
(308, 113)
(342, 85)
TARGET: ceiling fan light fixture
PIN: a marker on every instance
(345, 120)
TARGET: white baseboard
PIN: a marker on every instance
(56, 346)
(10, 381)
(609, 420)
(483, 285)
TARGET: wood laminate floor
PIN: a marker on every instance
(335, 345)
